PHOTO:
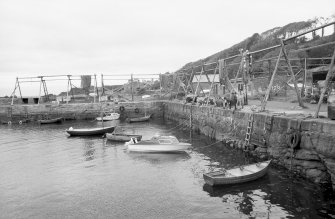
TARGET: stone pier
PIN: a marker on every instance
(311, 155)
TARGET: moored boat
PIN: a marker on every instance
(122, 137)
(109, 117)
(90, 131)
(139, 119)
(49, 121)
(237, 175)
(165, 144)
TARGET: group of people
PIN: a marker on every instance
(229, 100)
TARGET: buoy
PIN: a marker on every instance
(20, 122)
(9, 122)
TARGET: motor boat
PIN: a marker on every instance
(164, 144)
(109, 117)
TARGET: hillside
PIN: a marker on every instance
(271, 38)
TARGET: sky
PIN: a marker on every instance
(123, 37)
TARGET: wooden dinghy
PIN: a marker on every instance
(90, 131)
(50, 121)
(139, 119)
(237, 175)
(122, 137)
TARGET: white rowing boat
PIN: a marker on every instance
(237, 175)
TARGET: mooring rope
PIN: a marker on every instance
(175, 127)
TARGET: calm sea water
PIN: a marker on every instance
(46, 174)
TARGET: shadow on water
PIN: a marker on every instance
(277, 189)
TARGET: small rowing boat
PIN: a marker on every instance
(122, 137)
(109, 117)
(139, 119)
(49, 121)
(237, 175)
(165, 144)
(90, 131)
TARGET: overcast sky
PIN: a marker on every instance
(44, 37)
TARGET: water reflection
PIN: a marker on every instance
(159, 158)
(89, 150)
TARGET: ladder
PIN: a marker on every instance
(249, 129)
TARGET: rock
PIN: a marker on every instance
(309, 164)
(306, 155)
(317, 176)
(330, 164)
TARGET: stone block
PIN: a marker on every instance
(329, 127)
(311, 125)
(280, 124)
(309, 140)
(326, 146)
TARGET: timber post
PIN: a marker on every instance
(292, 73)
(267, 94)
(330, 74)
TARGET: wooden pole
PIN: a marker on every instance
(198, 79)
(67, 90)
(190, 80)
(131, 87)
(96, 87)
(102, 85)
(13, 93)
(209, 94)
(240, 67)
(271, 82)
(160, 85)
(39, 95)
(18, 85)
(330, 74)
(227, 78)
(304, 80)
(292, 74)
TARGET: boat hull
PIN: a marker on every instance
(90, 132)
(156, 148)
(237, 175)
(140, 119)
(50, 121)
(122, 137)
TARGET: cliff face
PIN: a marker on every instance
(272, 37)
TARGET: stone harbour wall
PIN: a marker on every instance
(89, 111)
(312, 155)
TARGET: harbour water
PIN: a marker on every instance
(46, 174)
